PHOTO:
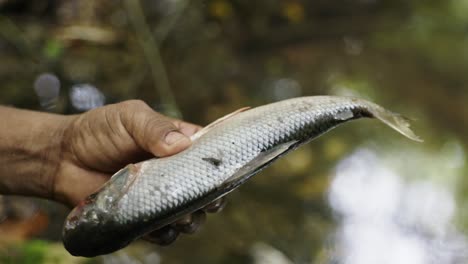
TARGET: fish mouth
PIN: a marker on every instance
(78, 213)
(73, 218)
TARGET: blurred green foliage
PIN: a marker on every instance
(28, 253)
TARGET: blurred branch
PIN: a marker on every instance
(153, 56)
(168, 23)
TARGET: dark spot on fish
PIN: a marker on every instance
(213, 161)
(279, 119)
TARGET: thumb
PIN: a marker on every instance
(152, 131)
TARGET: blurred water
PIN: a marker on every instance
(266, 254)
(47, 88)
(385, 219)
(85, 97)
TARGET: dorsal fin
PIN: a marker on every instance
(216, 122)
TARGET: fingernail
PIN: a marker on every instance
(215, 206)
(173, 137)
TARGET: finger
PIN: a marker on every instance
(163, 236)
(190, 223)
(215, 206)
(187, 129)
(185, 220)
(152, 131)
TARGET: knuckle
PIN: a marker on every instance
(135, 104)
(162, 123)
(133, 113)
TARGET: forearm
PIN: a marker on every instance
(66, 158)
(30, 149)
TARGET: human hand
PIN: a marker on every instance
(97, 143)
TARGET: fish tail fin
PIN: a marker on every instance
(395, 121)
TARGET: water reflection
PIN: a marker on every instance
(266, 254)
(85, 97)
(47, 88)
(384, 219)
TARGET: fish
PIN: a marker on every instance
(149, 195)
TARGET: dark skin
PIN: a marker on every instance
(67, 158)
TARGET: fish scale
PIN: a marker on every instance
(149, 195)
(182, 174)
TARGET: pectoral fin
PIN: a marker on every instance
(262, 160)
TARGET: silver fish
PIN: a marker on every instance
(149, 195)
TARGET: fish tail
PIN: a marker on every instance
(394, 120)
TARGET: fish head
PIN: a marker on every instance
(88, 231)
(91, 228)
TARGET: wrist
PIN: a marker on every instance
(51, 135)
(31, 149)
